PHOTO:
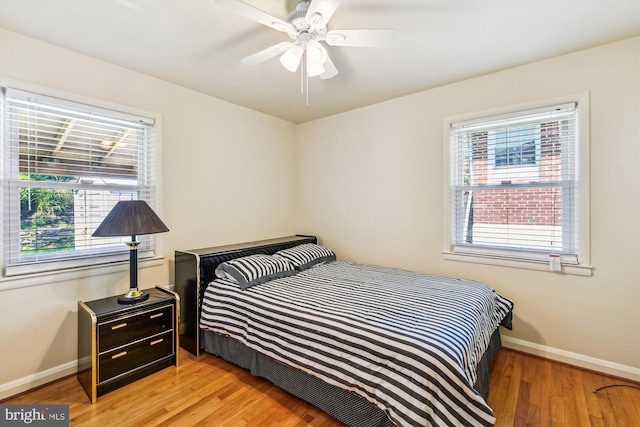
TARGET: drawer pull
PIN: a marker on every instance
(115, 356)
(156, 341)
(153, 316)
(121, 325)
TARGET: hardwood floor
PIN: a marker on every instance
(525, 391)
(530, 391)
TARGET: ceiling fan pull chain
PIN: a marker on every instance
(302, 77)
(307, 74)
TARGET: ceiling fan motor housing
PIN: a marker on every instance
(303, 30)
(298, 14)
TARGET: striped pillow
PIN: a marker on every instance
(306, 255)
(254, 270)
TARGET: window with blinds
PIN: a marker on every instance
(515, 185)
(64, 166)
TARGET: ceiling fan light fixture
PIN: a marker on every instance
(291, 58)
(314, 68)
(316, 53)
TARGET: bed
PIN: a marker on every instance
(369, 345)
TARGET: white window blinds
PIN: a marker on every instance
(514, 184)
(65, 165)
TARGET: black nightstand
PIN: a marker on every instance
(119, 344)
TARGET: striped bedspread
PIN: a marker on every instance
(407, 342)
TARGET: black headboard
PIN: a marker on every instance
(195, 268)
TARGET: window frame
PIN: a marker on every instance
(104, 262)
(491, 256)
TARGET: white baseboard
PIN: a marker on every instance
(41, 378)
(582, 361)
(623, 371)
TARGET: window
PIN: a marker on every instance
(517, 186)
(64, 166)
(514, 154)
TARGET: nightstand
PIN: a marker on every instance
(121, 343)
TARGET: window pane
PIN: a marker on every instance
(57, 144)
(520, 218)
(46, 221)
(58, 223)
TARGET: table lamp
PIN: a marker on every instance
(131, 218)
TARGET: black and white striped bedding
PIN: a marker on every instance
(405, 341)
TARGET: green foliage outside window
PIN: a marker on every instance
(46, 217)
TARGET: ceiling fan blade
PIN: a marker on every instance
(266, 54)
(330, 70)
(248, 11)
(361, 38)
(320, 11)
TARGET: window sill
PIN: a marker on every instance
(45, 278)
(571, 269)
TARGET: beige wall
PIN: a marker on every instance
(370, 184)
(221, 161)
(367, 182)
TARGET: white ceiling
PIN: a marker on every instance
(196, 44)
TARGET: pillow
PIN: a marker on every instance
(220, 274)
(254, 270)
(306, 255)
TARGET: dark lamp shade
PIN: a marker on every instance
(130, 218)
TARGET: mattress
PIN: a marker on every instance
(408, 343)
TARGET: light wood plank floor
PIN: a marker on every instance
(525, 391)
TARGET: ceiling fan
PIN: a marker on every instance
(307, 27)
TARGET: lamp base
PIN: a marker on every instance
(133, 296)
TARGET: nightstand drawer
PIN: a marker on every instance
(123, 359)
(127, 329)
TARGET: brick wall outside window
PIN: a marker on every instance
(526, 206)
